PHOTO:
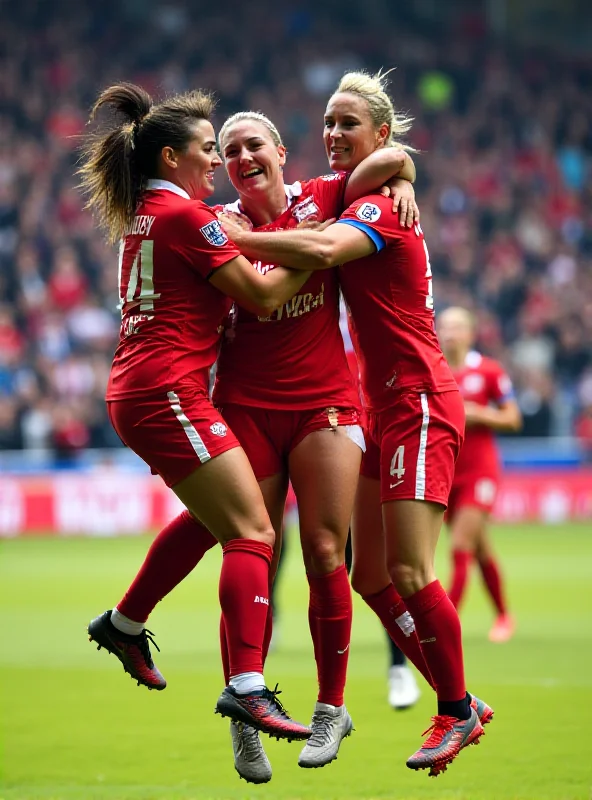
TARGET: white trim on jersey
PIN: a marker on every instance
(292, 191)
(473, 359)
(420, 473)
(194, 438)
(157, 183)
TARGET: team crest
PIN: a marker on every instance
(214, 234)
(218, 429)
(306, 209)
(368, 212)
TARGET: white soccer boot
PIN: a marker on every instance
(403, 691)
(250, 759)
(329, 726)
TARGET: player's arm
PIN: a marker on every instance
(310, 249)
(377, 169)
(259, 294)
(505, 418)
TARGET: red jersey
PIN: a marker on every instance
(171, 315)
(293, 359)
(389, 295)
(483, 381)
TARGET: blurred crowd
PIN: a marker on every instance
(505, 141)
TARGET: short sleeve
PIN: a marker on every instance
(374, 215)
(501, 389)
(329, 191)
(201, 241)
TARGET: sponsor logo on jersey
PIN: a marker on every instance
(299, 305)
(218, 429)
(333, 176)
(214, 234)
(368, 212)
(306, 209)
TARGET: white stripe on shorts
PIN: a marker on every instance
(420, 473)
(194, 438)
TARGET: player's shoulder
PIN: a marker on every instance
(478, 362)
(374, 209)
(197, 218)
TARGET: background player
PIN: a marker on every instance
(147, 172)
(490, 407)
(416, 415)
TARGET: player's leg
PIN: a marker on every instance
(250, 759)
(370, 577)
(465, 526)
(225, 495)
(504, 626)
(184, 439)
(324, 468)
(420, 439)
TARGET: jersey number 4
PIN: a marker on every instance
(142, 275)
(428, 274)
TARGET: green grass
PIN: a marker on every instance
(74, 727)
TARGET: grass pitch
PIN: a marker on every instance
(75, 727)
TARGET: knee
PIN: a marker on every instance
(368, 579)
(323, 552)
(410, 578)
(261, 533)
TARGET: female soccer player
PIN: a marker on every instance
(416, 414)
(147, 174)
(283, 384)
(489, 407)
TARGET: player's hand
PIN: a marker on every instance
(314, 225)
(233, 222)
(403, 195)
(473, 413)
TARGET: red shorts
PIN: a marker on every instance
(478, 491)
(269, 435)
(412, 446)
(173, 433)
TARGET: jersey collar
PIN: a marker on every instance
(292, 191)
(158, 184)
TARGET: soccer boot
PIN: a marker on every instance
(261, 710)
(503, 629)
(132, 651)
(403, 691)
(484, 712)
(448, 736)
(329, 726)
(250, 759)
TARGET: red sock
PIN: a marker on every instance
(461, 560)
(177, 550)
(244, 599)
(493, 581)
(438, 629)
(330, 618)
(389, 606)
(224, 644)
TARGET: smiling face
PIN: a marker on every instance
(253, 160)
(193, 168)
(350, 134)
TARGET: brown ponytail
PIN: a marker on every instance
(119, 158)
